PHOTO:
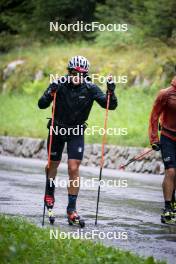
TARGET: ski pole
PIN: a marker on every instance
(102, 155)
(49, 152)
(138, 157)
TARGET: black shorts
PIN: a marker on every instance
(75, 146)
(168, 151)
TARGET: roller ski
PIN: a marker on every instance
(49, 203)
(173, 204)
(168, 216)
(75, 219)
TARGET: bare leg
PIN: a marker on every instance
(53, 169)
(169, 184)
(50, 186)
(74, 179)
(173, 194)
(74, 184)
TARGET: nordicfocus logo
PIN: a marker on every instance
(88, 235)
(89, 131)
(89, 183)
(91, 78)
(80, 26)
(110, 131)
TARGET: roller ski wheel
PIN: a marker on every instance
(82, 223)
(51, 216)
(167, 217)
(174, 209)
(74, 219)
(49, 203)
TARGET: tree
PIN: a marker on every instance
(33, 17)
(15, 14)
(157, 18)
(113, 11)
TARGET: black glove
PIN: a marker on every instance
(156, 146)
(52, 88)
(110, 85)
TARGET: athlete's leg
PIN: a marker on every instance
(173, 194)
(51, 172)
(74, 178)
(168, 184)
(169, 158)
(75, 149)
(174, 198)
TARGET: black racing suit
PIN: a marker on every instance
(73, 105)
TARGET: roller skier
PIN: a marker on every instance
(75, 94)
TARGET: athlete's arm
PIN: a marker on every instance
(47, 97)
(101, 98)
(155, 115)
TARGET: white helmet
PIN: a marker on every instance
(79, 63)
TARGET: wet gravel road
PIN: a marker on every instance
(134, 209)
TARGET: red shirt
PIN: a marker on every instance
(164, 111)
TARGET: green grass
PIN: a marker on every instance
(20, 116)
(22, 242)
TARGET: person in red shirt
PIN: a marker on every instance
(163, 115)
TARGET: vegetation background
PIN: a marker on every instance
(146, 53)
(29, 53)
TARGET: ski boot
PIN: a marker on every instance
(49, 203)
(167, 216)
(74, 219)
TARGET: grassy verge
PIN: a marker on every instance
(148, 62)
(20, 116)
(22, 242)
(150, 66)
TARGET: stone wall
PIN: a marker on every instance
(114, 155)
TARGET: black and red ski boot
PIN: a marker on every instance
(75, 219)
